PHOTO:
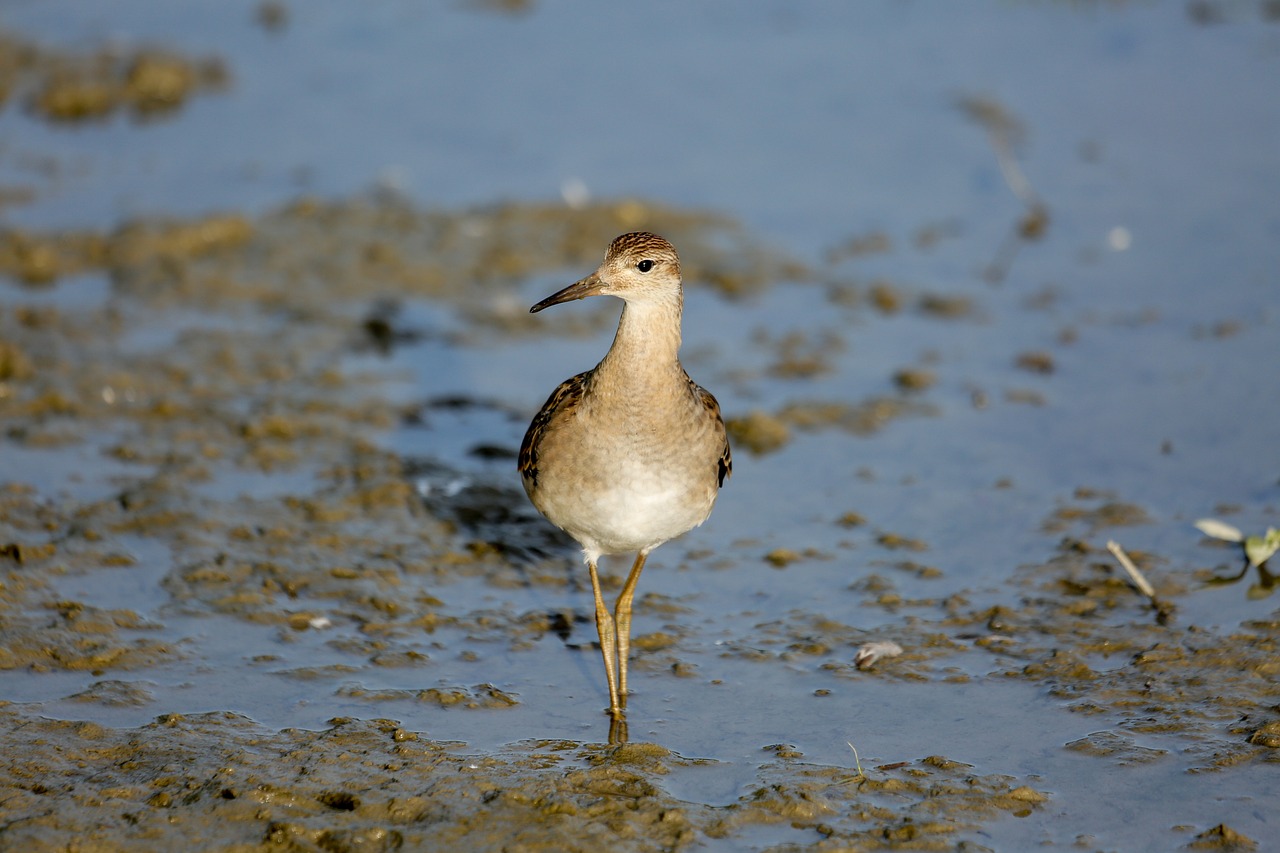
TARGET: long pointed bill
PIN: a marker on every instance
(589, 286)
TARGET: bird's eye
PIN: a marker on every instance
(645, 265)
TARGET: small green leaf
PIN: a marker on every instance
(1219, 530)
(1260, 548)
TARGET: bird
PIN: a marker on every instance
(631, 453)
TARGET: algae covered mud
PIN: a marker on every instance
(269, 580)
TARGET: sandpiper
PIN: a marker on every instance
(631, 453)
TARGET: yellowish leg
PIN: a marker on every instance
(618, 730)
(622, 619)
(608, 646)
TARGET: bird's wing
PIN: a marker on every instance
(724, 465)
(564, 399)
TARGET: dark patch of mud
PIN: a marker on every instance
(65, 86)
(372, 785)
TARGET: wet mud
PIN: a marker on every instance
(252, 384)
(201, 490)
(372, 785)
(70, 87)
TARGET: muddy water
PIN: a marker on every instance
(269, 578)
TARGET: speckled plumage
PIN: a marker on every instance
(631, 453)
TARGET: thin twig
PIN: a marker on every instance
(1139, 580)
(1004, 131)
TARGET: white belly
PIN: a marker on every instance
(637, 507)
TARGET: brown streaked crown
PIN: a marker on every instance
(643, 245)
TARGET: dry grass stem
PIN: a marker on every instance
(1139, 579)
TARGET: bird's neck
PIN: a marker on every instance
(647, 343)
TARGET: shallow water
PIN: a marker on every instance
(1110, 376)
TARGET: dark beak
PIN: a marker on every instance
(589, 286)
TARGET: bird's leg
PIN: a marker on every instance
(608, 647)
(618, 730)
(622, 619)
